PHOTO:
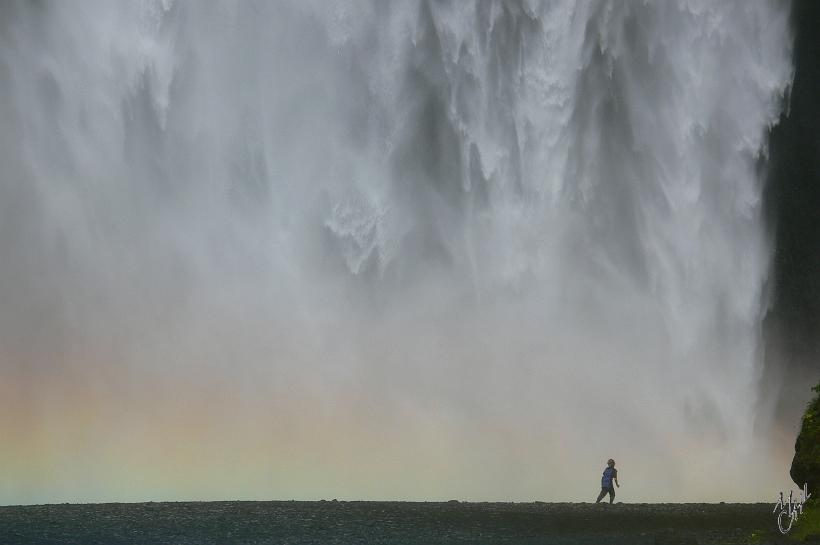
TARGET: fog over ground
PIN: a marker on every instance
(369, 250)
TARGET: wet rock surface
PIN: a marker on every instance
(339, 522)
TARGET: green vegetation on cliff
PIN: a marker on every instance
(806, 462)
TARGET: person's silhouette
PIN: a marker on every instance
(610, 474)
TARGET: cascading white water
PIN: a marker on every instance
(384, 250)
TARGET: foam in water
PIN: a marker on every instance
(455, 242)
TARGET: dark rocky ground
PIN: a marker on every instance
(332, 522)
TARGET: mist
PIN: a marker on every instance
(368, 250)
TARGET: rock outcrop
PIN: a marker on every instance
(806, 463)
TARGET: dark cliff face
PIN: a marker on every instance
(791, 327)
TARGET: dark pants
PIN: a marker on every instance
(604, 492)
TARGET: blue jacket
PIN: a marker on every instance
(609, 474)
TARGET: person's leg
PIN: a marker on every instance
(601, 495)
(611, 493)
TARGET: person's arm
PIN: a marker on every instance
(616, 479)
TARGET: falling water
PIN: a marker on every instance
(409, 250)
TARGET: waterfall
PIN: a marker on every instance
(363, 249)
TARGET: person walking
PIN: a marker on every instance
(610, 475)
